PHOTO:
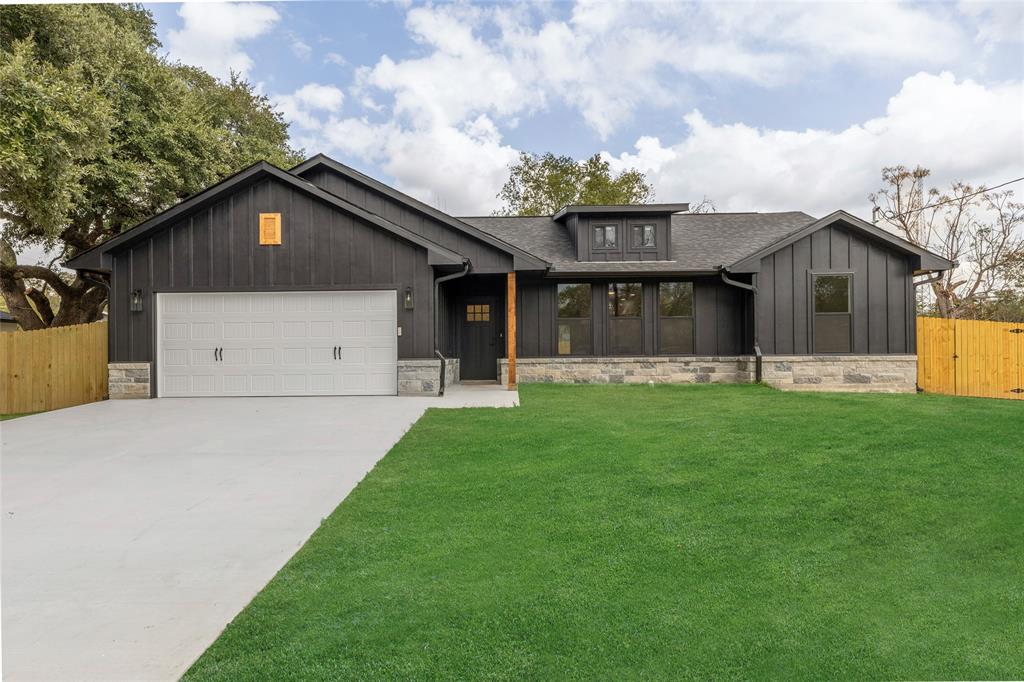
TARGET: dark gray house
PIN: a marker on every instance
(323, 281)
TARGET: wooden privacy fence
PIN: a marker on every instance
(970, 357)
(53, 368)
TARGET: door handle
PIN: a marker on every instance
(220, 354)
(335, 352)
(339, 353)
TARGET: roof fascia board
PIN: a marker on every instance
(650, 209)
(439, 254)
(523, 259)
(929, 260)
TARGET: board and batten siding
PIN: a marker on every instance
(721, 326)
(217, 249)
(883, 305)
(485, 258)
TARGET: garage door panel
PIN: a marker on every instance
(237, 330)
(264, 330)
(205, 304)
(263, 356)
(237, 384)
(277, 343)
(204, 384)
(321, 329)
(203, 331)
(294, 329)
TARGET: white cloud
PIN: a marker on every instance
(959, 129)
(212, 35)
(434, 121)
(301, 49)
(302, 106)
(335, 58)
(458, 169)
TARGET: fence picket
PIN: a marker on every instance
(53, 368)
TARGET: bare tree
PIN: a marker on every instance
(978, 229)
(705, 205)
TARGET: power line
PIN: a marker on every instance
(960, 198)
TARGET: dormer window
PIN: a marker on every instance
(605, 236)
(642, 236)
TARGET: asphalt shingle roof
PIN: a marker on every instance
(700, 241)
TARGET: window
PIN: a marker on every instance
(642, 236)
(605, 236)
(832, 318)
(675, 318)
(625, 323)
(478, 312)
(574, 330)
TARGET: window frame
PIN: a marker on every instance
(589, 320)
(812, 325)
(604, 225)
(609, 318)
(692, 317)
(639, 245)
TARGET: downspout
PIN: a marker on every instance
(758, 356)
(437, 319)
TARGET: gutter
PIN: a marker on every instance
(437, 319)
(758, 356)
(928, 280)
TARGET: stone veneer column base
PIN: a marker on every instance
(128, 380)
(422, 377)
(848, 373)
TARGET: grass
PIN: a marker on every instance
(663, 532)
(4, 417)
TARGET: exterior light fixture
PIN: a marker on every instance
(407, 300)
(136, 304)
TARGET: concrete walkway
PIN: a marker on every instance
(134, 531)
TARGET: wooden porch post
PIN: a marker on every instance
(510, 335)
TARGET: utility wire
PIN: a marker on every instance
(965, 196)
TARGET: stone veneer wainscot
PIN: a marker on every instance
(848, 373)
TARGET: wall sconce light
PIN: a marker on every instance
(407, 301)
(136, 304)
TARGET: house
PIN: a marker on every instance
(323, 281)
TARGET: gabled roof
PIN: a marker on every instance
(646, 209)
(928, 261)
(522, 258)
(93, 259)
(701, 242)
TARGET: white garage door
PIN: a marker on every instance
(283, 343)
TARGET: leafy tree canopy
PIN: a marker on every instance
(541, 185)
(99, 132)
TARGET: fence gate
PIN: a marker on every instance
(971, 357)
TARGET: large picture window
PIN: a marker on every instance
(832, 317)
(606, 236)
(675, 318)
(625, 319)
(642, 236)
(574, 326)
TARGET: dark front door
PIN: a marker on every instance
(478, 350)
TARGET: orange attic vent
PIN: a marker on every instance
(270, 228)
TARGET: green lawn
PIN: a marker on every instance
(664, 532)
(4, 417)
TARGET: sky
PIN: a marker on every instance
(757, 106)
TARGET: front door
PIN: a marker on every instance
(478, 350)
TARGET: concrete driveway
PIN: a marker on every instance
(134, 531)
